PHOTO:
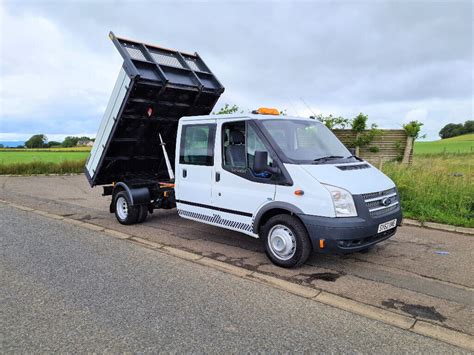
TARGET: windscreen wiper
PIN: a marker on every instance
(329, 157)
(355, 157)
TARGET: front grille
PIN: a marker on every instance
(378, 194)
(384, 211)
(382, 202)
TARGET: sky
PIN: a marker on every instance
(395, 61)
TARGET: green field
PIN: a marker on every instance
(27, 156)
(460, 144)
(43, 161)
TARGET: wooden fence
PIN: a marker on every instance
(392, 144)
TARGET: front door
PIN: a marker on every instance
(195, 169)
(238, 192)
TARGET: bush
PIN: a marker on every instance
(413, 129)
(70, 142)
(364, 137)
(359, 123)
(51, 144)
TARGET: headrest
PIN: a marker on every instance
(236, 137)
(199, 135)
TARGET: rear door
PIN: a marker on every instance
(195, 169)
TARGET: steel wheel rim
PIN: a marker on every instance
(121, 207)
(282, 242)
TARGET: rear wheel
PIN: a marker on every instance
(286, 241)
(143, 213)
(124, 211)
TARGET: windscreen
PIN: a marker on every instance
(304, 141)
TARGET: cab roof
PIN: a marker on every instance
(251, 116)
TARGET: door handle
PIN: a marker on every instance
(185, 173)
(218, 176)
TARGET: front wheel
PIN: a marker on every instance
(286, 241)
(124, 211)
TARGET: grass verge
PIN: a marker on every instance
(41, 167)
(436, 188)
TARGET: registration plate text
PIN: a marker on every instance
(387, 225)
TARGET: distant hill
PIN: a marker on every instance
(459, 144)
(12, 143)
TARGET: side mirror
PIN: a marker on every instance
(260, 163)
(353, 151)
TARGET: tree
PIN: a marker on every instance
(2, 146)
(451, 130)
(70, 141)
(413, 129)
(51, 144)
(363, 136)
(227, 109)
(456, 129)
(469, 127)
(332, 122)
(36, 141)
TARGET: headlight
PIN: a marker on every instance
(343, 201)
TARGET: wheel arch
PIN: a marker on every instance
(137, 196)
(272, 209)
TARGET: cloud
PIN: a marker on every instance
(387, 59)
(47, 78)
(418, 114)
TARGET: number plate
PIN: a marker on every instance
(387, 225)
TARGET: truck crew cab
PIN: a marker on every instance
(286, 180)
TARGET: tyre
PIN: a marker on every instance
(124, 211)
(142, 213)
(286, 241)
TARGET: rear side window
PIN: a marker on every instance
(197, 144)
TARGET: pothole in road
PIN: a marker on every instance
(416, 310)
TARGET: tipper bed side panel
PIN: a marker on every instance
(163, 86)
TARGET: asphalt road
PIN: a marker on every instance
(405, 275)
(65, 288)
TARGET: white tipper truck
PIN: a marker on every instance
(286, 180)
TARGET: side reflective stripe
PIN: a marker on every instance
(240, 213)
(216, 219)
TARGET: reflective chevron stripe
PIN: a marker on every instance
(216, 219)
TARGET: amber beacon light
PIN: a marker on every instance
(267, 111)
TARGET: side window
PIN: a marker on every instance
(233, 150)
(197, 144)
(239, 144)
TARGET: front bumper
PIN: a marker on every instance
(348, 234)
